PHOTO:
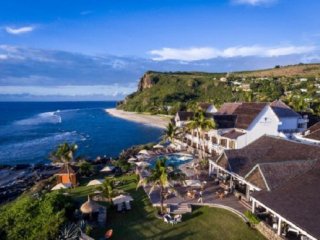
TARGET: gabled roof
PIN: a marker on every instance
(282, 110)
(185, 116)
(245, 112)
(297, 200)
(313, 132)
(271, 175)
(267, 149)
(225, 121)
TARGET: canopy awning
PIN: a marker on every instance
(107, 169)
(61, 186)
(193, 183)
(132, 159)
(144, 152)
(142, 164)
(121, 199)
(158, 146)
(95, 182)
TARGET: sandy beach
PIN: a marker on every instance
(151, 120)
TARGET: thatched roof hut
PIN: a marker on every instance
(89, 207)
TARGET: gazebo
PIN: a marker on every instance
(92, 210)
(67, 175)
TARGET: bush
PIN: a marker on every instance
(253, 219)
(35, 218)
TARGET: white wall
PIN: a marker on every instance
(266, 122)
(288, 123)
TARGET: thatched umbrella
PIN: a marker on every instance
(89, 207)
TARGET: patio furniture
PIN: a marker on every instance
(178, 218)
(119, 207)
(128, 206)
(168, 219)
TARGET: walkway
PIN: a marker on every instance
(209, 199)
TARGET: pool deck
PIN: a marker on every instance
(209, 194)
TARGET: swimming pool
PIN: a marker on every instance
(175, 159)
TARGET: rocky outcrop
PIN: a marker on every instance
(147, 81)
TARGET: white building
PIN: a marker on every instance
(239, 124)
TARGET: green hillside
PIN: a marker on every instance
(298, 86)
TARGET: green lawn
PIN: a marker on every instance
(141, 223)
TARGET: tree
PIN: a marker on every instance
(170, 132)
(32, 218)
(85, 168)
(200, 123)
(64, 154)
(162, 176)
(108, 189)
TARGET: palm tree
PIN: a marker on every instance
(85, 168)
(162, 176)
(108, 189)
(200, 123)
(170, 132)
(64, 154)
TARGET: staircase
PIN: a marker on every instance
(179, 208)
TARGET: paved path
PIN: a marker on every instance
(209, 199)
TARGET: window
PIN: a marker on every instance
(232, 144)
(214, 140)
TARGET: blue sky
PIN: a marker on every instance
(115, 41)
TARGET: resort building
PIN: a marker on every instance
(311, 135)
(278, 179)
(239, 124)
(67, 176)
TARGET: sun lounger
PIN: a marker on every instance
(128, 206)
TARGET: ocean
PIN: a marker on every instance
(29, 131)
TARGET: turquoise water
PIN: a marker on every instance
(173, 159)
(29, 131)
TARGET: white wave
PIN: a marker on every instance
(41, 118)
(35, 148)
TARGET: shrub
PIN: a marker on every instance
(253, 219)
(35, 218)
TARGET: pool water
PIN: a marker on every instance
(175, 159)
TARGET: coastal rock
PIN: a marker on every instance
(147, 81)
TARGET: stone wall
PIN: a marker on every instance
(267, 232)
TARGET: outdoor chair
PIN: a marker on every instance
(168, 219)
(178, 218)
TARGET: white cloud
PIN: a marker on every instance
(3, 57)
(204, 53)
(68, 90)
(253, 2)
(18, 31)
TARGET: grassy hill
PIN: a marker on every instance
(168, 92)
(301, 70)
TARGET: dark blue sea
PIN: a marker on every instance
(29, 131)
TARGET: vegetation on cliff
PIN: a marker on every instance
(297, 85)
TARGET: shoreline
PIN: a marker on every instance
(150, 120)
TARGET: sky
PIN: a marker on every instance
(98, 50)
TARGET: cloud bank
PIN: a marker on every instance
(205, 53)
(19, 31)
(38, 74)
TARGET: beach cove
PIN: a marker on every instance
(158, 121)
